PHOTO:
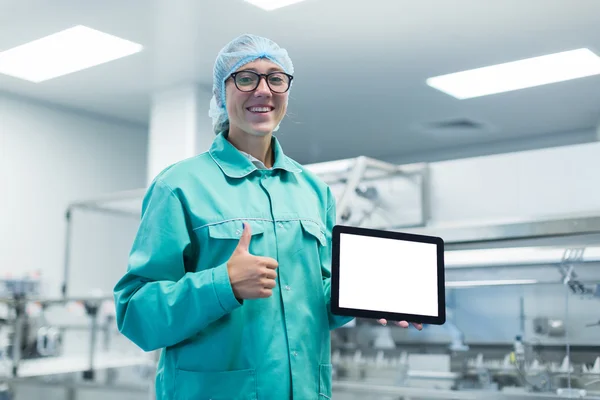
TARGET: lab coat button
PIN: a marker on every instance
(288, 288)
(238, 232)
(280, 225)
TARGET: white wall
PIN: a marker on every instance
(50, 157)
(558, 180)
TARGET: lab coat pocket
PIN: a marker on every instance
(221, 385)
(314, 230)
(325, 371)
(223, 237)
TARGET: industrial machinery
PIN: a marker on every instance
(32, 347)
(35, 338)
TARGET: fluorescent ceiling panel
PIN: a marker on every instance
(270, 5)
(517, 75)
(62, 53)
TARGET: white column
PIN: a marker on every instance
(179, 127)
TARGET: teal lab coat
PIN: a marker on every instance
(176, 294)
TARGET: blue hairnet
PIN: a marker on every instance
(237, 53)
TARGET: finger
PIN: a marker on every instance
(402, 324)
(269, 262)
(269, 274)
(264, 293)
(268, 283)
(244, 243)
(382, 321)
(418, 326)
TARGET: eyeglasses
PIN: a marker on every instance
(248, 81)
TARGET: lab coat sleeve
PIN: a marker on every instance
(158, 303)
(335, 321)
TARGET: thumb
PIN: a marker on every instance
(244, 243)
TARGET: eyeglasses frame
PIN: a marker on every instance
(261, 76)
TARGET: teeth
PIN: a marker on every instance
(260, 109)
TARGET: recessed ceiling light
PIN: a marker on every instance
(62, 53)
(270, 5)
(517, 75)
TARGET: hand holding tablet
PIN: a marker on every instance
(388, 276)
(402, 324)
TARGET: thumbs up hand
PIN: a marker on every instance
(251, 277)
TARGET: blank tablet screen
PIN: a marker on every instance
(388, 275)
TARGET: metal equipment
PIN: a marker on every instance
(367, 191)
(33, 349)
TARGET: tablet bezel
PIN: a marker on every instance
(440, 319)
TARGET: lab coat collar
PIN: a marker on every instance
(235, 165)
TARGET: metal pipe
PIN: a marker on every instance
(437, 375)
(67, 252)
(79, 385)
(93, 338)
(118, 196)
(425, 196)
(57, 301)
(18, 333)
(353, 181)
(520, 256)
(483, 283)
(485, 232)
(81, 327)
(112, 211)
(76, 299)
(382, 165)
(92, 310)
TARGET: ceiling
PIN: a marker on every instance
(360, 66)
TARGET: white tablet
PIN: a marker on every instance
(392, 275)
